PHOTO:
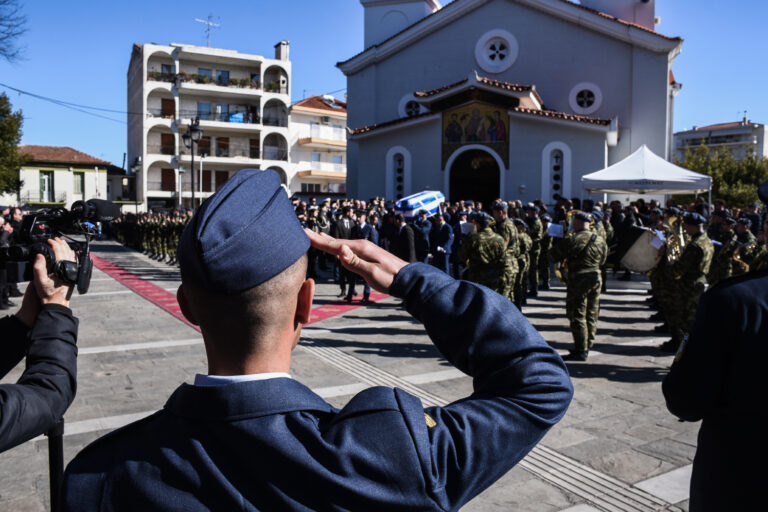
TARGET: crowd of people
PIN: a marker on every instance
(507, 246)
(10, 275)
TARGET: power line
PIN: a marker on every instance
(73, 106)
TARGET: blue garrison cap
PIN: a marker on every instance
(745, 221)
(546, 218)
(597, 214)
(674, 210)
(694, 219)
(243, 235)
(501, 206)
(657, 211)
(730, 221)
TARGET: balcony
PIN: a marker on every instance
(41, 197)
(159, 76)
(233, 150)
(238, 117)
(324, 137)
(161, 149)
(159, 113)
(276, 88)
(273, 153)
(327, 170)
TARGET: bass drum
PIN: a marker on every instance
(642, 256)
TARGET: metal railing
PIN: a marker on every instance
(276, 88)
(275, 121)
(233, 116)
(161, 149)
(327, 133)
(37, 196)
(159, 113)
(158, 76)
(233, 150)
(273, 153)
(242, 83)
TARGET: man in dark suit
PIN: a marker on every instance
(442, 243)
(249, 437)
(362, 231)
(403, 244)
(422, 228)
(342, 230)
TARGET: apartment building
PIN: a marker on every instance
(738, 137)
(318, 142)
(242, 103)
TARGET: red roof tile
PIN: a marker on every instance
(57, 154)
(370, 128)
(719, 126)
(563, 115)
(434, 92)
(318, 103)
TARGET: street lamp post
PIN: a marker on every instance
(191, 137)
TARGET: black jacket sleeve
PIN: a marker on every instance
(14, 343)
(46, 388)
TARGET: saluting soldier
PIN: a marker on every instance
(484, 254)
(586, 252)
(506, 229)
(535, 231)
(523, 262)
(689, 274)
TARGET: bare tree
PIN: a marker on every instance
(13, 24)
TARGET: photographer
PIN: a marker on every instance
(44, 331)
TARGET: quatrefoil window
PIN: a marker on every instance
(496, 51)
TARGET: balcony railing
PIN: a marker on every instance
(36, 196)
(242, 83)
(159, 113)
(161, 149)
(327, 133)
(233, 150)
(237, 116)
(326, 166)
(159, 76)
(273, 153)
(275, 87)
(275, 121)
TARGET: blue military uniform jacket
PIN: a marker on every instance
(275, 445)
(719, 378)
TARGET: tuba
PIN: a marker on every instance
(676, 241)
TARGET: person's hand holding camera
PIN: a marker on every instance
(46, 288)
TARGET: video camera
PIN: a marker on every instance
(38, 227)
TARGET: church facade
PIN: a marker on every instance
(504, 98)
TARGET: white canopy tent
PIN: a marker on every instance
(643, 172)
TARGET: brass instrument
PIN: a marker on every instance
(741, 252)
(676, 241)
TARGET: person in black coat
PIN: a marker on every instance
(403, 243)
(442, 243)
(362, 231)
(342, 230)
(718, 377)
(44, 332)
(422, 228)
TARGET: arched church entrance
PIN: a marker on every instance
(475, 175)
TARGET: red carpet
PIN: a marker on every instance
(166, 300)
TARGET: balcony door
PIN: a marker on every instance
(168, 108)
(221, 178)
(46, 186)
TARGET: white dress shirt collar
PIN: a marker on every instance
(223, 380)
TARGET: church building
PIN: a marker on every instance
(504, 98)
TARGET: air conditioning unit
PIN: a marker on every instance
(325, 120)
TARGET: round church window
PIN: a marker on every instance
(412, 109)
(496, 51)
(585, 98)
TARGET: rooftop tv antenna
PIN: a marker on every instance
(210, 25)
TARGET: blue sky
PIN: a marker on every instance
(78, 51)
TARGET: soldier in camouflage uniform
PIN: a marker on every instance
(484, 253)
(586, 252)
(724, 245)
(747, 247)
(689, 274)
(506, 229)
(545, 274)
(535, 231)
(523, 262)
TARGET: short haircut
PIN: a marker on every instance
(243, 323)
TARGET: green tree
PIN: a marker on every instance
(734, 181)
(10, 136)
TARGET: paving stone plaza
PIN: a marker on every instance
(617, 449)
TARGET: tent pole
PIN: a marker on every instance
(709, 204)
